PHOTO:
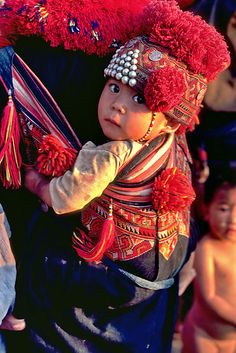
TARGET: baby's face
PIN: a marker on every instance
(221, 214)
(123, 114)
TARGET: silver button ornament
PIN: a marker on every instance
(155, 55)
(124, 67)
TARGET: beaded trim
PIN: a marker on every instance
(144, 138)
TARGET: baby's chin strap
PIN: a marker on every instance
(149, 130)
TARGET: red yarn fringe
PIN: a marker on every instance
(164, 89)
(188, 37)
(10, 158)
(91, 26)
(172, 191)
(54, 159)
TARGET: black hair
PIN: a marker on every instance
(226, 178)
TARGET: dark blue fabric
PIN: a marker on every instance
(7, 54)
(72, 306)
(74, 79)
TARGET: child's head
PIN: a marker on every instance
(220, 201)
(123, 114)
(169, 66)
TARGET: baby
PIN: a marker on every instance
(211, 322)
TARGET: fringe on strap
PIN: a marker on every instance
(10, 158)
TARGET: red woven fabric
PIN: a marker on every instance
(91, 26)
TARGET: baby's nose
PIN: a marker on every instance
(119, 107)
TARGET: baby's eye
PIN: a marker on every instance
(139, 99)
(114, 88)
(223, 208)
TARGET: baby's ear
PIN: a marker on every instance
(171, 126)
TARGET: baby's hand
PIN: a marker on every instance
(32, 179)
(37, 184)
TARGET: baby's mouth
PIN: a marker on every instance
(111, 121)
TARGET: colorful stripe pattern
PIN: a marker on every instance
(138, 227)
(38, 113)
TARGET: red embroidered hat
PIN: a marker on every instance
(171, 64)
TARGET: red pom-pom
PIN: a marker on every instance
(164, 89)
(172, 191)
(54, 159)
(188, 37)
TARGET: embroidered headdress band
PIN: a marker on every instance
(171, 65)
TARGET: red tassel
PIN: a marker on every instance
(108, 229)
(172, 191)
(10, 158)
(54, 159)
(106, 239)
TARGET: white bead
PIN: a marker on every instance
(133, 68)
(132, 74)
(127, 64)
(119, 68)
(125, 79)
(118, 76)
(125, 71)
(135, 56)
(134, 61)
(132, 82)
(122, 62)
(128, 58)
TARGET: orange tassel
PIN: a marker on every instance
(106, 239)
(10, 158)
